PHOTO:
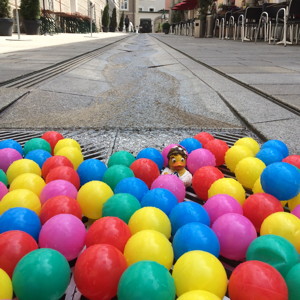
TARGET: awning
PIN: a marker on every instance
(185, 5)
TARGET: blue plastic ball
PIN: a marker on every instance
(39, 156)
(282, 180)
(160, 198)
(269, 155)
(279, 145)
(132, 185)
(91, 169)
(188, 212)
(21, 218)
(153, 154)
(190, 144)
(195, 236)
(11, 144)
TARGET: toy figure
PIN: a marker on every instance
(176, 165)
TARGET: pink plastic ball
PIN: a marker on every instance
(3, 190)
(7, 157)
(235, 233)
(172, 183)
(296, 211)
(57, 188)
(64, 233)
(200, 158)
(222, 204)
(165, 152)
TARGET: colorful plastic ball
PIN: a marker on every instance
(296, 211)
(282, 180)
(21, 166)
(39, 156)
(21, 218)
(190, 144)
(150, 218)
(203, 137)
(29, 181)
(198, 295)
(153, 154)
(91, 169)
(121, 158)
(41, 274)
(121, 205)
(20, 198)
(171, 183)
(146, 170)
(256, 280)
(259, 206)
(283, 224)
(200, 158)
(36, 143)
(292, 203)
(160, 198)
(218, 148)
(6, 291)
(3, 178)
(146, 280)
(235, 233)
(108, 230)
(221, 204)
(10, 143)
(114, 174)
(248, 170)
(149, 245)
(98, 271)
(60, 205)
(257, 188)
(64, 233)
(195, 236)
(53, 162)
(281, 146)
(7, 157)
(269, 155)
(202, 180)
(293, 160)
(52, 137)
(235, 154)
(133, 186)
(248, 142)
(65, 143)
(275, 251)
(230, 187)
(3, 190)
(57, 188)
(188, 212)
(203, 271)
(165, 152)
(292, 280)
(64, 173)
(73, 154)
(91, 198)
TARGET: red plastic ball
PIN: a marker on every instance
(146, 170)
(259, 206)
(256, 280)
(98, 270)
(52, 137)
(108, 230)
(218, 148)
(65, 173)
(203, 137)
(203, 178)
(60, 205)
(293, 160)
(53, 162)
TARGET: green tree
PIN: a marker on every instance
(203, 7)
(30, 9)
(113, 23)
(121, 23)
(4, 9)
(105, 18)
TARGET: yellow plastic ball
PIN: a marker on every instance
(257, 188)
(66, 143)
(29, 181)
(91, 197)
(21, 166)
(20, 198)
(149, 245)
(235, 154)
(198, 295)
(150, 218)
(292, 203)
(73, 154)
(283, 224)
(230, 187)
(248, 170)
(248, 142)
(199, 270)
(6, 289)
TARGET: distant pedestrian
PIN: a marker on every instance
(127, 23)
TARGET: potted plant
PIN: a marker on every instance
(121, 23)
(203, 11)
(31, 12)
(6, 23)
(113, 23)
(166, 27)
(105, 18)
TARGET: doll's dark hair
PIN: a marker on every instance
(177, 150)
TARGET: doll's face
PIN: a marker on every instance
(177, 162)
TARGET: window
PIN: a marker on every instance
(151, 9)
(140, 9)
(124, 5)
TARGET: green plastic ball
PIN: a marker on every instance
(121, 158)
(116, 173)
(36, 143)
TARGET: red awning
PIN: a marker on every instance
(185, 5)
